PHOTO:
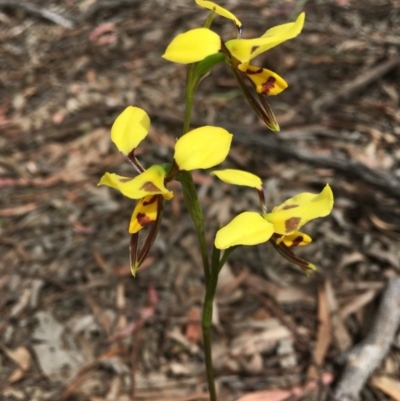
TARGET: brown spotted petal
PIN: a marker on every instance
(150, 182)
(299, 210)
(296, 239)
(265, 81)
(138, 257)
(145, 212)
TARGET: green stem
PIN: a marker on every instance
(207, 322)
(195, 212)
(189, 189)
(189, 96)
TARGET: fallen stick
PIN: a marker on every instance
(348, 90)
(385, 182)
(265, 142)
(365, 357)
(40, 11)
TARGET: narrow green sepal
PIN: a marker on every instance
(225, 256)
(205, 66)
(190, 196)
(209, 19)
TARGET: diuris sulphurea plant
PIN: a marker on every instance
(206, 147)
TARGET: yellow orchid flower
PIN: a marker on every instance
(197, 44)
(204, 45)
(200, 148)
(282, 224)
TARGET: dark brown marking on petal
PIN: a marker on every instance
(292, 223)
(268, 85)
(250, 72)
(150, 201)
(123, 179)
(149, 187)
(143, 219)
(286, 207)
(298, 240)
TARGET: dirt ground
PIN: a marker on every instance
(74, 324)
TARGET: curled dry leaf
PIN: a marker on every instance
(282, 395)
(389, 386)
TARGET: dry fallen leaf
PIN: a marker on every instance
(18, 210)
(324, 332)
(389, 386)
(20, 356)
(192, 329)
(282, 395)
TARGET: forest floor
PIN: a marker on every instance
(74, 324)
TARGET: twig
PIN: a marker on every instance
(383, 181)
(42, 12)
(352, 87)
(367, 356)
(105, 5)
(265, 142)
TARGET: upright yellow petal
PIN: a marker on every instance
(247, 228)
(145, 212)
(241, 49)
(266, 81)
(239, 177)
(130, 128)
(280, 34)
(219, 10)
(245, 50)
(297, 211)
(192, 46)
(203, 147)
(150, 182)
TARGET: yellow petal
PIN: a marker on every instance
(239, 177)
(219, 10)
(265, 81)
(145, 212)
(247, 228)
(150, 182)
(296, 239)
(203, 147)
(129, 129)
(297, 211)
(243, 49)
(280, 34)
(192, 46)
